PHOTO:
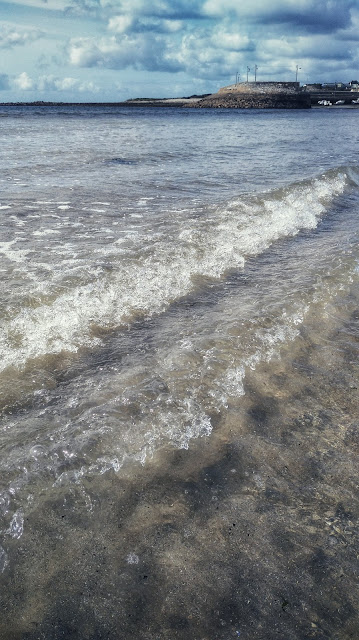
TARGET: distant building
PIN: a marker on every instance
(329, 86)
(332, 86)
(317, 86)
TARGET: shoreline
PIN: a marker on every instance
(136, 102)
(176, 103)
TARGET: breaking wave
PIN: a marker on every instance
(145, 281)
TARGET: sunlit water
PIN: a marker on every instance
(152, 260)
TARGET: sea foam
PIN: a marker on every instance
(147, 283)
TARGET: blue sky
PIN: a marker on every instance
(108, 50)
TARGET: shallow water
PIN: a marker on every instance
(178, 373)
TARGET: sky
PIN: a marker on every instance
(113, 50)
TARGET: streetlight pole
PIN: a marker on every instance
(248, 70)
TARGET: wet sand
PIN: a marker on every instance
(250, 533)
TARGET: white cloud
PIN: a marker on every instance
(143, 7)
(103, 8)
(202, 53)
(52, 5)
(89, 87)
(139, 51)
(262, 8)
(201, 57)
(121, 24)
(316, 48)
(159, 8)
(12, 35)
(250, 8)
(312, 16)
(203, 42)
(172, 26)
(162, 9)
(24, 82)
(51, 83)
(99, 8)
(231, 40)
(132, 24)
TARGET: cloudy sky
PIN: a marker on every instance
(97, 50)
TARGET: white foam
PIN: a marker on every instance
(4, 561)
(132, 558)
(16, 528)
(16, 255)
(206, 247)
(45, 232)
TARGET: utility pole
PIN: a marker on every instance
(248, 70)
(297, 68)
(255, 73)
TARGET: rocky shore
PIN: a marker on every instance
(257, 95)
(245, 95)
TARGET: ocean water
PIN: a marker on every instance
(178, 373)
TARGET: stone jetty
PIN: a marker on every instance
(257, 95)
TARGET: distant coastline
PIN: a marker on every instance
(258, 95)
(132, 102)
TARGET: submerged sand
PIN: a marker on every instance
(250, 533)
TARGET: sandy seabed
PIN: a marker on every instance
(251, 532)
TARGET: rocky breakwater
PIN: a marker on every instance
(257, 95)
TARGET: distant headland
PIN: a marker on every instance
(264, 95)
(242, 95)
(258, 95)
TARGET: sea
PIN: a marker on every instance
(179, 373)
